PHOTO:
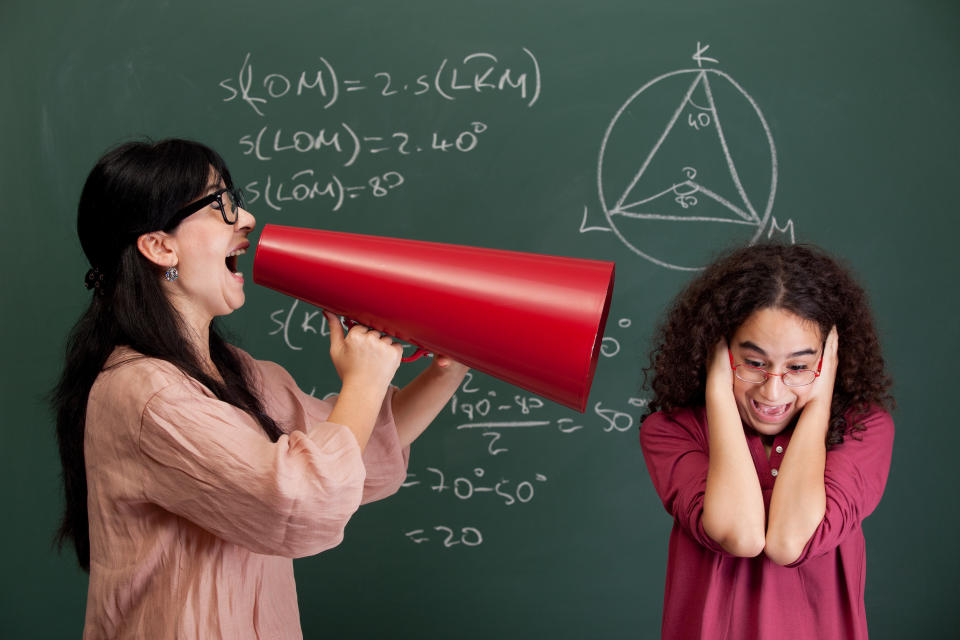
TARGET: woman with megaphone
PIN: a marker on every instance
(193, 473)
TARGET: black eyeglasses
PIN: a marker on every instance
(229, 207)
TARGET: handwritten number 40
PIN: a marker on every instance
(702, 120)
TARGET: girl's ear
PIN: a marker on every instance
(159, 248)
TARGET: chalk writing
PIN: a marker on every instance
(335, 145)
(484, 406)
(490, 421)
(686, 176)
(467, 536)
(300, 321)
(305, 185)
(345, 142)
(489, 417)
(466, 487)
(610, 346)
(612, 420)
(283, 318)
(474, 74)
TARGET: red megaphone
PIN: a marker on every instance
(532, 320)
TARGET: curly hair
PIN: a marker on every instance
(800, 279)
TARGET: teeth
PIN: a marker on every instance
(770, 410)
(236, 252)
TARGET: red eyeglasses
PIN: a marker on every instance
(792, 378)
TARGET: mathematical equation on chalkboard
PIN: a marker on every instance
(327, 142)
(478, 72)
(487, 422)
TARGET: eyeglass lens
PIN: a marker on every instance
(797, 378)
(232, 208)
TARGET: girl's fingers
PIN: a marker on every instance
(718, 366)
(719, 357)
(830, 348)
(830, 344)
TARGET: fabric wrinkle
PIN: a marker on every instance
(196, 516)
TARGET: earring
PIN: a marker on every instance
(171, 274)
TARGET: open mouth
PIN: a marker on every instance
(771, 413)
(233, 259)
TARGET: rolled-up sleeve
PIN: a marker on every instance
(675, 450)
(855, 475)
(384, 459)
(212, 464)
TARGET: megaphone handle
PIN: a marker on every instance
(420, 352)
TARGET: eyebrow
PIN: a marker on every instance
(746, 344)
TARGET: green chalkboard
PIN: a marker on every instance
(651, 132)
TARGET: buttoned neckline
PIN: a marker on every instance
(767, 467)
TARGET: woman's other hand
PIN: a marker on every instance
(449, 366)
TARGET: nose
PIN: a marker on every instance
(245, 220)
(772, 388)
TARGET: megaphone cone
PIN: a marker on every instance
(533, 320)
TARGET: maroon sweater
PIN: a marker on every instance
(712, 594)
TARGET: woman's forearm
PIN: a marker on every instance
(418, 403)
(357, 408)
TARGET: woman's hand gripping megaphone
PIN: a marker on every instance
(439, 359)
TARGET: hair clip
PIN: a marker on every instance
(94, 280)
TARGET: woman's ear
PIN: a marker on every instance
(159, 248)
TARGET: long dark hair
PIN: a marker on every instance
(134, 188)
(801, 279)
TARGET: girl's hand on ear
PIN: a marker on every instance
(719, 372)
(822, 391)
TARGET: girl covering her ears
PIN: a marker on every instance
(193, 473)
(768, 441)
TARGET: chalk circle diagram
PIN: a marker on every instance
(683, 166)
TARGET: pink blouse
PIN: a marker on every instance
(195, 515)
(712, 594)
